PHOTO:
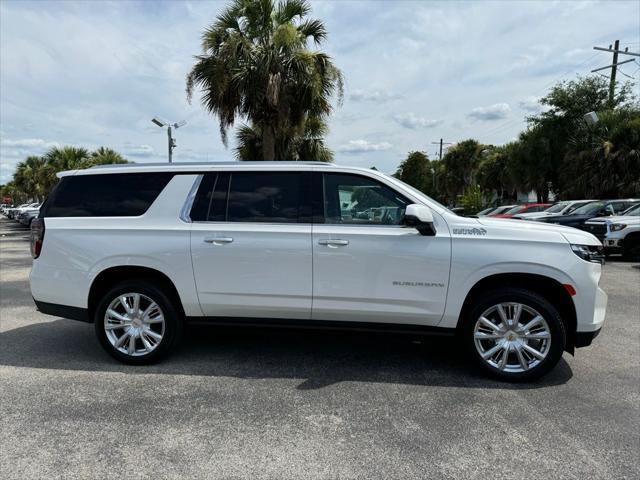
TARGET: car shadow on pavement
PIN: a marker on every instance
(319, 359)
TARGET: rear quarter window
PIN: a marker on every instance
(105, 195)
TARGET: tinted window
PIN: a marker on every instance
(352, 199)
(619, 207)
(200, 208)
(106, 195)
(264, 197)
(558, 207)
(589, 208)
(210, 203)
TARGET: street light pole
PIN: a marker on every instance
(171, 142)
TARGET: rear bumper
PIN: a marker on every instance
(584, 339)
(64, 311)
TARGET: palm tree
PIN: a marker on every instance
(63, 158)
(256, 65)
(29, 177)
(104, 156)
(307, 145)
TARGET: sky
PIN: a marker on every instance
(93, 73)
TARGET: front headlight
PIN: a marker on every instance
(589, 253)
(616, 227)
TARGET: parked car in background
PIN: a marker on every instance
(600, 208)
(500, 210)
(619, 234)
(13, 212)
(526, 208)
(140, 250)
(486, 211)
(27, 216)
(560, 208)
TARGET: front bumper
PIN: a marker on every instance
(587, 332)
(612, 245)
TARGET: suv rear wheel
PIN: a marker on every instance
(514, 334)
(137, 323)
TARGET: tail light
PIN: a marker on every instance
(37, 236)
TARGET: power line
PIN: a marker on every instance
(614, 65)
(509, 123)
(441, 143)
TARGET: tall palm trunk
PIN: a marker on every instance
(268, 143)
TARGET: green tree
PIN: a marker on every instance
(35, 177)
(29, 177)
(307, 145)
(560, 135)
(257, 65)
(104, 156)
(604, 160)
(59, 159)
(472, 200)
(495, 175)
(461, 164)
(416, 171)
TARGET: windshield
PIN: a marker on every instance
(635, 210)
(558, 207)
(514, 210)
(418, 193)
(588, 209)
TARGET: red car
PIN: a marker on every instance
(526, 208)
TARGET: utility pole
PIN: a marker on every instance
(441, 143)
(614, 66)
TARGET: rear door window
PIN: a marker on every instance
(266, 197)
(105, 195)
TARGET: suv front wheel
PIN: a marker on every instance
(514, 334)
(137, 323)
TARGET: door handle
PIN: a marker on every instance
(333, 243)
(218, 240)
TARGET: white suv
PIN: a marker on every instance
(140, 250)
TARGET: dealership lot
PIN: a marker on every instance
(238, 404)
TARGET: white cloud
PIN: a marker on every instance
(531, 105)
(497, 111)
(137, 150)
(28, 143)
(372, 96)
(412, 121)
(359, 146)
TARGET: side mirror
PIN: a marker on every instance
(421, 218)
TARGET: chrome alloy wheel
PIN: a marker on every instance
(134, 324)
(512, 337)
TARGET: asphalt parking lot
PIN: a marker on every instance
(256, 404)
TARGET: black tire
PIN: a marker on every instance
(173, 321)
(533, 300)
(631, 248)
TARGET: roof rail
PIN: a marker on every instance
(208, 164)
